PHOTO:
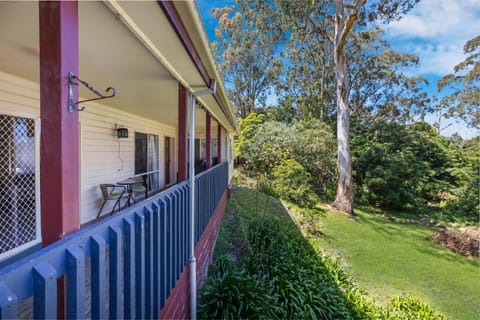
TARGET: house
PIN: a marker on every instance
(95, 93)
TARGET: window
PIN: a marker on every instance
(146, 158)
(19, 212)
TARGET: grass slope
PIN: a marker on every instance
(387, 258)
(278, 276)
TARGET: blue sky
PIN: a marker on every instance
(435, 31)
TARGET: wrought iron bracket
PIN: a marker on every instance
(73, 80)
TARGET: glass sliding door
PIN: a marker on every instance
(146, 158)
(152, 163)
(169, 168)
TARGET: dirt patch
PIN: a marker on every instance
(465, 241)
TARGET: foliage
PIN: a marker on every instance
(464, 102)
(300, 281)
(409, 308)
(281, 263)
(245, 48)
(263, 145)
(273, 142)
(284, 111)
(328, 25)
(233, 294)
(304, 289)
(379, 90)
(400, 167)
(466, 201)
(247, 128)
(315, 150)
(291, 182)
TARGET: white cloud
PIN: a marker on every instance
(438, 18)
(436, 31)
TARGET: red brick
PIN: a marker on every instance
(177, 305)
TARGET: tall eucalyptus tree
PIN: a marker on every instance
(246, 48)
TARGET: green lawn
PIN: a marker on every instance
(387, 258)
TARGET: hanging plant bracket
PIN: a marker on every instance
(73, 80)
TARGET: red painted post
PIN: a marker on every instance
(219, 143)
(59, 155)
(208, 152)
(182, 132)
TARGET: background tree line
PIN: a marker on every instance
(329, 67)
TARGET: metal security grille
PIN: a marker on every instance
(18, 218)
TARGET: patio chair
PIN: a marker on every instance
(112, 192)
(137, 188)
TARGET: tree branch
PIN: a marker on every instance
(348, 25)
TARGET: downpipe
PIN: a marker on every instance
(191, 169)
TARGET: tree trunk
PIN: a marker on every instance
(344, 198)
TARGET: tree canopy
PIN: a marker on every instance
(328, 64)
(464, 102)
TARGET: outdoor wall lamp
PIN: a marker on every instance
(121, 132)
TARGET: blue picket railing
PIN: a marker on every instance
(122, 267)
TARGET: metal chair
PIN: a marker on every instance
(139, 188)
(112, 192)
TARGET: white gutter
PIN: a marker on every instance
(191, 177)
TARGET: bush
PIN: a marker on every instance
(401, 167)
(409, 308)
(232, 294)
(263, 145)
(303, 288)
(273, 142)
(292, 182)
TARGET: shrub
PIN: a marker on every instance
(232, 294)
(410, 308)
(273, 142)
(292, 182)
(303, 287)
(263, 145)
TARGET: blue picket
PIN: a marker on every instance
(99, 274)
(129, 269)
(139, 266)
(156, 258)
(168, 215)
(8, 303)
(44, 291)
(148, 262)
(148, 247)
(163, 252)
(75, 262)
(116, 244)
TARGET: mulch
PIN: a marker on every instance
(465, 241)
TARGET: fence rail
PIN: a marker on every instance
(123, 266)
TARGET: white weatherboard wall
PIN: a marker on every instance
(102, 152)
(99, 147)
(18, 96)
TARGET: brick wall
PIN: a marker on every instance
(178, 303)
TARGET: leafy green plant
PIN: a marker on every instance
(232, 294)
(409, 308)
(292, 182)
(278, 252)
(281, 275)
